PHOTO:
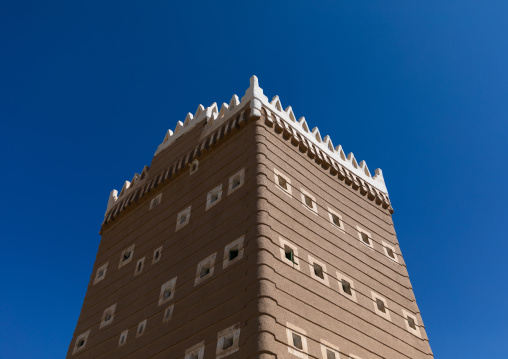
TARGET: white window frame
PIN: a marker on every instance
(282, 248)
(240, 173)
(416, 331)
(168, 313)
(84, 337)
(386, 315)
(198, 349)
(193, 166)
(331, 212)
(386, 245)
(170, 284)
(329, 346)
(234, 332)
(371, 241)
(304, 193)
(155, 260)
(127, 261)
(215, 191)
(123, 335)
(155, 201)
(301, 353)
(237, 244)
(209, 261)
(111, 311)
(141, 324)
(186, 212)
(323, 280)
(351, 356)
(287, 191)
(136, 270)
(340, 277)
(102, 268)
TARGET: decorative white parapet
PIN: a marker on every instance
(254, 94)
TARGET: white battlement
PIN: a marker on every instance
(214, 117)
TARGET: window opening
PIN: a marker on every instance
(380, 305)
(346, 287)
(282, 182)
(330, 354)
(289, 253)
(336, 220)
(233, 253)
(411, 322)
(157, 254)
(236, 182)
(167, 293)
(107, 318)
(183, 218)
(365, 238)
(101, 273)
(205, 270)
(390, 252)
(81, 343)
(126, 255)
(318, 271)
(297, 341)
(308, 201)
(214, 197)
(228, 342)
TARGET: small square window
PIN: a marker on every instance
(336, 219)
(141, 328)
(329, 351)
(214, 197)
(168, 313)
(365, 237)
(107, 316)
(282, 182)
(194, 166)
(380, 306)
(195, 352)
(123, 337)
(233, 252)
(318, 271)
(157, 255)
(309, 201)
(126, 256)
(205, 269)
(167, 292)
(139, 266)
(236, 181)
(390, 251)
(183, 218)
(289, 253)
(411, 323)
(346, 287)
(81, 342)
(155, 202)
(100, 274)
(297, 341)
(228, 341)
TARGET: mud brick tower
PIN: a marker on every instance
(250, 236)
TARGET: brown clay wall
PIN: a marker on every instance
(200, 312)
(295, 296)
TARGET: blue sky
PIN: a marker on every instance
(88, 90)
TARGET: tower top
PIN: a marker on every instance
(213, 118)
(254, 92)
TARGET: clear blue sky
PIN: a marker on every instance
(419, 89)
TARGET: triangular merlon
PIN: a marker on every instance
(276, 103)
(168, 135)
(289, 111)
(223, 110)
(304, 125)
(199, 111)
(365, 169)
(328, 142)
(351, 158)
(235, 101)
(317, 135)
(341, 152)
